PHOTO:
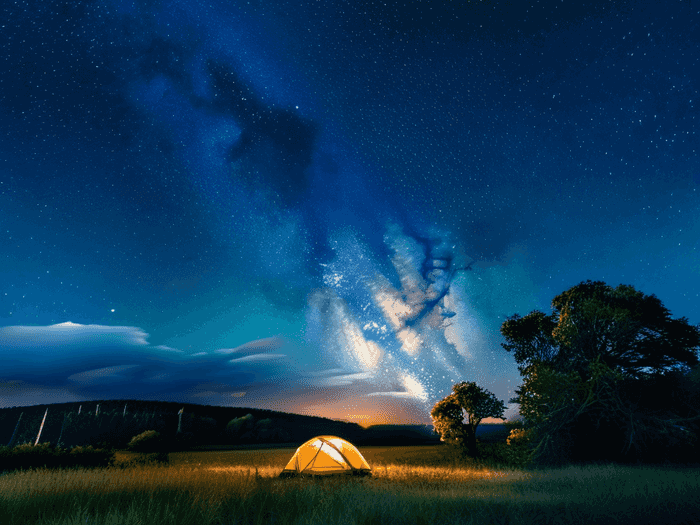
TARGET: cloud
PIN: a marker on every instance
(255, 374)
(108, 374)
(73, 362)
(344, 379)
(254, 347)
(256, 357)
(29, 352)
(413, 389)
(70, 333)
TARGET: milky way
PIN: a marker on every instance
(330, 207)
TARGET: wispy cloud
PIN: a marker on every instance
(76, 361)
(256, 357)
(252, 347)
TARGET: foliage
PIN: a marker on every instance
(630, 332)
(588, 370)
(46, 455)
(109, 426)
(148, 441)
(27, 456)
(517, 451)
(470, 401)
(246, 429)
(241, 429)
(90, 457)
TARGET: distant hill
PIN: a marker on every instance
(400, 435)
(115, 422)
(97, 422)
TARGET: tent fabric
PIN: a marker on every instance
(326, 455)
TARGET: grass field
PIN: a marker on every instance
(412, 485)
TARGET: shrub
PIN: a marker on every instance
(518, 449)
(45, 455)
(90, 457)
(148, 441)
(518, 437)
(28, 456)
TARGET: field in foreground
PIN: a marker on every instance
(409, 486)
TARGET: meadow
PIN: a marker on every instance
(410, 485)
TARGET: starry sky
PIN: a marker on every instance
(330, 207)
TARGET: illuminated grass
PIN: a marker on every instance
(223, 488)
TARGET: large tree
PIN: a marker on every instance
(591, 364)
(456, 416)
(629, 331)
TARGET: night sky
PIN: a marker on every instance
(330, 207)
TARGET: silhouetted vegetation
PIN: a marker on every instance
(457, 416)
(148, 441)
(115, 423)
(45, 455)
(608, 376)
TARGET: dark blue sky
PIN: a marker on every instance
(330, 207)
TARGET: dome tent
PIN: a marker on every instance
(326, 455)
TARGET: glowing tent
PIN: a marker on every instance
(326, 455)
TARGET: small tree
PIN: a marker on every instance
(456, 416)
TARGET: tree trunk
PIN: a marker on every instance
(470, 440)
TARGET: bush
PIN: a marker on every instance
(90, 457)
(46, 455)
(518, 449)
(518, 437)
(500, 455)
(515, 452)
(148, 441)
(28, 456)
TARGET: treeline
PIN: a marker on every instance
(80, 424)
(45, 455)
(113, 424)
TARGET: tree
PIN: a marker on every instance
(240, 429)
(466, 400)
(585, 368)
(631, 332)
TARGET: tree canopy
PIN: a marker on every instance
(604, 366)
(456, 416)
(629, 331)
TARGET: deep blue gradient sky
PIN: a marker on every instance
(330, 207)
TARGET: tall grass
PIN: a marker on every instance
(408, 486)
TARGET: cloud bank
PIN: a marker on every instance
(75, 361)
